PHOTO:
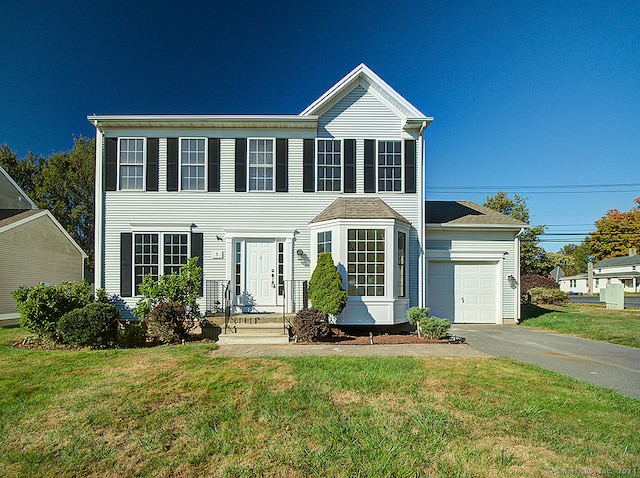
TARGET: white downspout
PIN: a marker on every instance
(98, 257)
(516, 244)
(422, 261)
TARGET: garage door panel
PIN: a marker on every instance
(464, 291)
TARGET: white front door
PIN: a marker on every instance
(260, 273)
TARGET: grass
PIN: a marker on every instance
(591, 321)
(179, 411)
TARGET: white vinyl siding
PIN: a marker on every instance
(131, 154)
(193, 160)
(261, 161)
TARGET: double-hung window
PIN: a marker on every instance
(149, 258)
(131, 160)
(193, 158)
(329, 165)
(390, 166)
(261, 164)
(324, 242)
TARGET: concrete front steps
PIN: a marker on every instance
(261, 329)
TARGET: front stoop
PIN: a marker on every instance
(262, 333)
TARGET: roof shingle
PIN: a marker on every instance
(358, 208)
(466, 213)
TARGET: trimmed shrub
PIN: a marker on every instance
(325, 286)
(41, 307)
(95, 325)
(435, 328)
(311, 325)
(531, 281)
(168, 322)
(541, 295)
(132, 335)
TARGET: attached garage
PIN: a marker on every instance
(473, 263)
(465, 292)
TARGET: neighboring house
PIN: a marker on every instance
(34, 247)
(473, 263)
(623, 270)
(578, 284)
(257, 198)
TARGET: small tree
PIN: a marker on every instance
(325, 287)
(182, 289)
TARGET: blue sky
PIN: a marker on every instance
(528, 96)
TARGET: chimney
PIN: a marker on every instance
(633, 251)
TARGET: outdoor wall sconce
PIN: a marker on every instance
(300, 253)
(512, 281)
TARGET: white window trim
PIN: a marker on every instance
(144, 163)
(273, 165)
(341, 165)
(206, 162)
(377, 167)
(160, 251)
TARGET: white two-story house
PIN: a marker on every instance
(257, 198)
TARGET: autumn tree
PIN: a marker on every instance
(533, 258)
(615, 233)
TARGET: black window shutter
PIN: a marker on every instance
(349, 165)
(241, 164)
(409, 166)
(282, 165)
(308, 166)
(152, 164)
(111, 163)
(214, 165)
(197, 250)
(126, 266)
(172, 164)
(369, 166)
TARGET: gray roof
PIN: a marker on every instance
(466, 213)
(618, 261)
(358, 208)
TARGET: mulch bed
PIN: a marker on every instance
(361, 337)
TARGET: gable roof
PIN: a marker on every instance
(467, 214)
(26, 216)
(358, 208)
(618, 261)
(364, 76)
(13, 185)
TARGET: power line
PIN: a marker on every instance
(539, 188)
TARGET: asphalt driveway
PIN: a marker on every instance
(608, 365)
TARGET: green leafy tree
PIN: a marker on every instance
(575, 256)
(615, 233)
(182, 289)
(325, 287)
(533, 258)
(24, 171)
(65, 186)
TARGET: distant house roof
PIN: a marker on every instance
(358, 208)
(618, 261)
(582, 276)
(466, 213)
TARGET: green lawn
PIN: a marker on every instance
(178, 411)
(595, 322)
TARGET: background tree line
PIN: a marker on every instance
(615, 233)
(63, 183)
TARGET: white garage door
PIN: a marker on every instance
(464, 291)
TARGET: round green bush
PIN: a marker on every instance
(95, 325)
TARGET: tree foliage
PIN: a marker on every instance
(325, 287)
(615, 233)
(63, 183)
(572, 258)
(182, 289)
(533, 258)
